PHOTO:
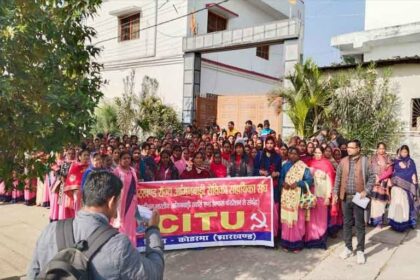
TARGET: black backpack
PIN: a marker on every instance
(72, 260)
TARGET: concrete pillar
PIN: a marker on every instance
(192, 75)
(292, 56)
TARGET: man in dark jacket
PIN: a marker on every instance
(117, 258)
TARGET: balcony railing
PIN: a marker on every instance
(271, 32)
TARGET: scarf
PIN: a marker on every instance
(218, 170)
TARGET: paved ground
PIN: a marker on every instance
(390, 255)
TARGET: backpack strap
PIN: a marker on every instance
(98, 238)
(64, 234)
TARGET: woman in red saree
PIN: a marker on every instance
(126, 219)
(71, 197)
(324, 176)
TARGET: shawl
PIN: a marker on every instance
(74, 176)
(403, 177)
(326, 167)
(290, 198)
(218, 170)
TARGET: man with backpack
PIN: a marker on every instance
(87, 247)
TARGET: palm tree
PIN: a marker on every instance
(106, 119)
(307, 99)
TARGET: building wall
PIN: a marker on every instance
(157, 53)
(222, 81)
(248, 15)
(391, 51)
(407, 79)
(170, 78)
(388, 13)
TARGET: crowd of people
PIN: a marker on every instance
(326, 166)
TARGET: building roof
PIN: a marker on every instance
(360, 42)
(379, 63)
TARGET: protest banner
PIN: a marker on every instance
(211, 212)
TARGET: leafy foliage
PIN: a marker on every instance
(156, 118)
(144, 112)
(49, 82)
(106, 119)
(127, 106)
(307, 99)
(365, 106)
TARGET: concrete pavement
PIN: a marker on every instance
(390, 255)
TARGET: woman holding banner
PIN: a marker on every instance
(294, 178)
(269, 164)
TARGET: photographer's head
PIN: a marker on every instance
(101, 192)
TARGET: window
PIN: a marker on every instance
(263, 51)
(130, 27)
(215, 23)
(415, 113)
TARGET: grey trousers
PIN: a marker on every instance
(351, 210)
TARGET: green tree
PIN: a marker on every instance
(127, 106)
(49, 80)
(365, 106)
(144, 112)
(157, 118)
(307, 99)
(106, 119)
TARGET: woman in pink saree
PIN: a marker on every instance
(29, 192)
(323, 173)
(379, 164)
(126, 221)
(17, 192)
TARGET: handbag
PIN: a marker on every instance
(307, 200)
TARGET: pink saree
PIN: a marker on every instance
(126, 220)
(29, 192)
(17, 194)
(317, 226)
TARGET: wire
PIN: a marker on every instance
(111, 20)
(163, 43)
(167, 21)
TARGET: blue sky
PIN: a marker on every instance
(325, 19)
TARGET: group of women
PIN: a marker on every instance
(300, 170)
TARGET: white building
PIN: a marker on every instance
(391, 39)
(224, 48)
